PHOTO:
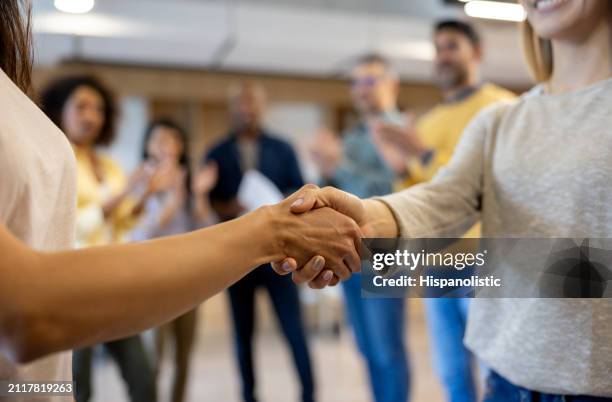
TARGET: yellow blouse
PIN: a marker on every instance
(92, 228)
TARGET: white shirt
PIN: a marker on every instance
(37, 204)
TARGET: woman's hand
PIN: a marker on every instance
(320, 231)
(167, 177)
(323, 232)
(205, 179)
(306, 199)
(202, 183)
(403, 138)
(326, 151)
(373, 218)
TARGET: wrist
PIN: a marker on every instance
(380, 220)
(263, 233)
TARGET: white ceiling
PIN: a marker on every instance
(304, 37)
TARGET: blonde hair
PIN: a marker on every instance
(538, 52)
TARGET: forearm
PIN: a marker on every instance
(78, 298)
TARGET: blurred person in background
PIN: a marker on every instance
(248, 147)
(107, 207)
(179, 204)
(356, 164)
(428, 145)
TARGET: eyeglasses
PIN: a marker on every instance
(368, 81)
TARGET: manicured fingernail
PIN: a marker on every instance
(287, 267)
(327, 276)
(318, 264)
(297, 203)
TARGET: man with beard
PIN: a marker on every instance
(428, 145)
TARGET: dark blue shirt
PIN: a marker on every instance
(277, 161)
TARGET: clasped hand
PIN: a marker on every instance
(320, 237)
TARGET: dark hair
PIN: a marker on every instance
(182, 137)
(16, 41)
(461, 27)
(56, 95)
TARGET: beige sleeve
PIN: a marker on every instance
(448, 205)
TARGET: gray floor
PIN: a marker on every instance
(339, 371)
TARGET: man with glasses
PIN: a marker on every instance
(356, 164)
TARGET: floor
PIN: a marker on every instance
(339, 371)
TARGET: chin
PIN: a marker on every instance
(563, 19)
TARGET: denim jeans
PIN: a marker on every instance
(498, 389)
(284, 296)
(378, 325)
(452, 361)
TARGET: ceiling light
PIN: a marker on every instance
(95, 25)
(74, 6)
(415, 50)
(495, 10)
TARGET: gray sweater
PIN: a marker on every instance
(537, 167)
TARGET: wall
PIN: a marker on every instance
(197, 99)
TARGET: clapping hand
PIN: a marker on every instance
(326, 151)
(205, 179)
(402, 137)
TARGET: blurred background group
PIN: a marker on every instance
(170, 104)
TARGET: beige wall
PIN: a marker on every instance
(197, 99)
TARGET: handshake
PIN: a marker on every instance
(317, 234)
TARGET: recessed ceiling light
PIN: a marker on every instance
(74, 6)
(495, 10)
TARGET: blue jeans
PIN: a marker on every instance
(498, 389)
(378, 325)
(285, 301)
(446, 321)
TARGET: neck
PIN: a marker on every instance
(85, 148)
(450, 94)
(571, 75)
(456, 93)
(249, 133)
(380, 111)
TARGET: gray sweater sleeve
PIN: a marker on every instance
(449, 205)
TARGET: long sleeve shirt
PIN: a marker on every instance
(537, 167)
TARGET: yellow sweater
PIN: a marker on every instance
(92, 228)
(441, 129)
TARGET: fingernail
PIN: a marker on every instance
(328, 275)
(297, 203)
(287, 267)
(318, 264)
